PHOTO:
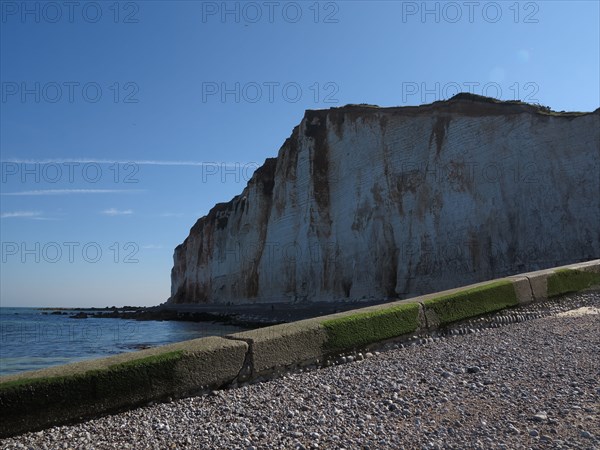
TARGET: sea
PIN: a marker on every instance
(32, 338)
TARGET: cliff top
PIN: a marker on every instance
(463, 102)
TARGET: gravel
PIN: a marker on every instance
(532, 381)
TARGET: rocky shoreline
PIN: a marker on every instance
(247, 316)
(158, 313)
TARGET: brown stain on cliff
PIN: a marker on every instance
(337, 117)
(474, 250)
(460, 176)
(287, 164)
(438, 132)
(362, 216)
(383, 123)
(390, 273)
(377, 192)
(316, 130)
(264, 178)
(423, 201)
(394, 184)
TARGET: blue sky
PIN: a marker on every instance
(122, 123)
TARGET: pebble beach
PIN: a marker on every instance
(521, 379)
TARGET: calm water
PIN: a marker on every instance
(30, 339)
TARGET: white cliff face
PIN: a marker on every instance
(376, 203)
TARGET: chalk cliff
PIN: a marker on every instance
(370, 203)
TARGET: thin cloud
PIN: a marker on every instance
(73, 191)
(32, 215)
(116, 212)
(168, 214)
(21, 215)
(152, 247)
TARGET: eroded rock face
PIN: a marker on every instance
(374, 203)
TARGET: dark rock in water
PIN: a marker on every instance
(80, 315)
(367, 203)
(137, 346)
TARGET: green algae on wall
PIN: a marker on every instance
(473, 302)
(366, 328)
(563, 281)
